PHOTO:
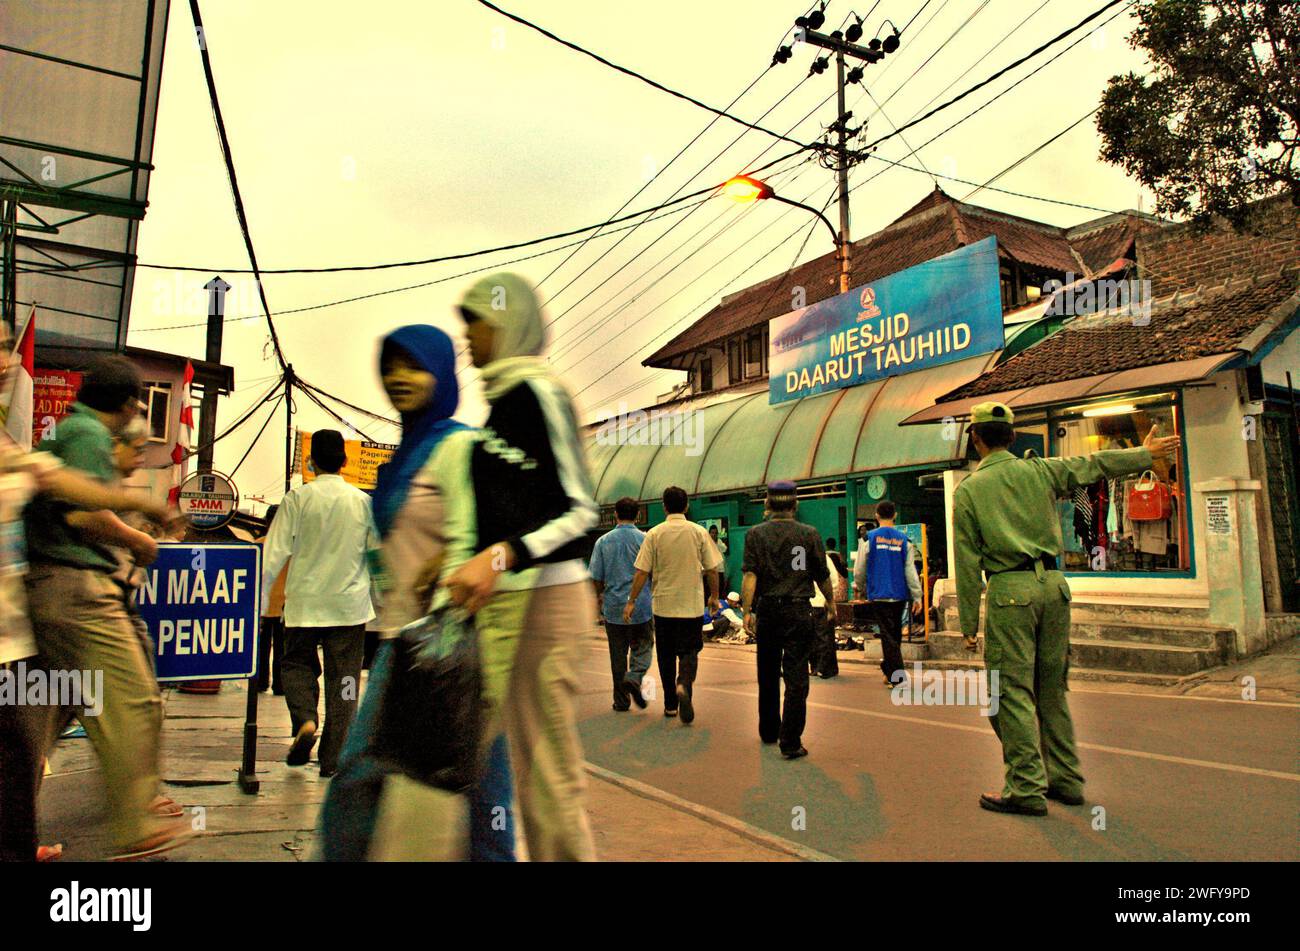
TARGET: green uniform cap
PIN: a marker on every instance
(992, 413)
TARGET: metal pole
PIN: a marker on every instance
(248, 781)
(288, 426)
(842, 172)
(216, 289)
(9, 250)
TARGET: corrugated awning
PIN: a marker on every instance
(1083, 388)
(716, 445)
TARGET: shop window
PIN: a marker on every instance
(158, 401)
(735, 362)
(1136, 523)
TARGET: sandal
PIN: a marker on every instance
(167, 808)
(163, 841)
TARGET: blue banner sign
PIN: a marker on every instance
(202, 605)
(946, 309)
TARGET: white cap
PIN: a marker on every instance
(733, 596)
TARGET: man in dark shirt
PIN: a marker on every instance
(783, 560)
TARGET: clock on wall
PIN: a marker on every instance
(876, 486)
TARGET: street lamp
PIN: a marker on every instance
(745, 190)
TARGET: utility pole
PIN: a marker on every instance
(842, 44)
(288, 426)
(842, 171)
(216, 289)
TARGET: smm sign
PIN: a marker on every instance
(202, 605)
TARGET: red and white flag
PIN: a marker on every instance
(18, 411)
(183, 431)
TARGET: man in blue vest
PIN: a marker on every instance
(885, 574)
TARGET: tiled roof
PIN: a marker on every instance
(1181, 327)
(1101, 247)
(934, 226)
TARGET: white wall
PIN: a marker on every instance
(1285, 356)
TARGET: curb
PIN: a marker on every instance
(712, 816)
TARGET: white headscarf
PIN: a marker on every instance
(509, 304)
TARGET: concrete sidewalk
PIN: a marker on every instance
(202, 743)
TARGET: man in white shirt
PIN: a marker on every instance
(327, 528)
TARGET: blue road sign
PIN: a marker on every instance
(202, 605)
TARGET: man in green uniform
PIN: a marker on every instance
(1005, 524)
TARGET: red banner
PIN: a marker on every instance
(53, 391)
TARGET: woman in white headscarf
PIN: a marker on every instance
(528, 582)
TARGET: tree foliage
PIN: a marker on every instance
(1214, 125)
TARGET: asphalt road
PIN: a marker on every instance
(1170, 778)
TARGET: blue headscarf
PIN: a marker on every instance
(423, 429)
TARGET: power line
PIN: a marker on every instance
(350, 425)
(1001, 72)
(423, 261)
(965, 23)
(635, 75)
(230, 429)
(967, 71)
(617, 311)
(570, 346)
(360, 409)
(748, 268)
(917, 14)
(987, 187)
(610, 249)
(658, 173)
(230, 172)
(880, 108)
(412, 287)
(625, 287)
(1022, 79)
(265, 423)
(1028, 155)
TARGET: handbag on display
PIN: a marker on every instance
(1148, 499)
(430, 717)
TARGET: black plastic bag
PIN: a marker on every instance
(431, 714)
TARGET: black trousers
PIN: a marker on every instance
(786, 630)
(270, 655)
(822, 659)
(343, 648)
(889, 615)
(678, 642)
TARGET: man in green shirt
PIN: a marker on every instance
(80, 616)
(1005, 524)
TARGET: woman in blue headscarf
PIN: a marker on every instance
(424, 510)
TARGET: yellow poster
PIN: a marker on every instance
(363, 459)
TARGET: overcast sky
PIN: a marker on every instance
(393, 131)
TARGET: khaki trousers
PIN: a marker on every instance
(1027, 641)
(81, 622)
(529, 646)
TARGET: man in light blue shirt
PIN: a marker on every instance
(612, 568)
